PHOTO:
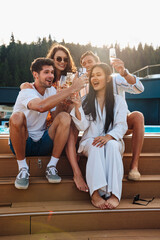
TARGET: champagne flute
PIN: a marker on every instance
(112, 56)
(62, 81)
(69, 78)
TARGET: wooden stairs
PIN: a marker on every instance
(60, 211)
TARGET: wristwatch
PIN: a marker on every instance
(125, 73)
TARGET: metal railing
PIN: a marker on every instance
(147, 68)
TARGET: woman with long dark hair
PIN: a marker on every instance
(103, 120)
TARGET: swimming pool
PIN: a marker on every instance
(148, 129)
(152, 129)
(4, 130)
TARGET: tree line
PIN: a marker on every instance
(15, 58)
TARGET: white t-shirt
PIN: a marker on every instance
(36, 121)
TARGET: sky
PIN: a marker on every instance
(99, 22)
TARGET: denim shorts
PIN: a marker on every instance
(43, 147)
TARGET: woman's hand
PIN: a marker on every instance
(75, 98)
(26, 85)
(102, 140)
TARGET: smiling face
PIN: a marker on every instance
(88, 62)
(44, 78)
(98, 79)
(60, 60)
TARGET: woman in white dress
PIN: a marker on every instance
(103, 120)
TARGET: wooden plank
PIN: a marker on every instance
(14, 225)
(40, 190)
(151, 144)
(149, 163)
(89, 222)
(57, 207)
(88, 235)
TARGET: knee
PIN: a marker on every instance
(136, 119)
(64, 119)
(17, 120)
(113, 145)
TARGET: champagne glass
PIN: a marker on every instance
(62, 81)
(112, 55)
(69, 78)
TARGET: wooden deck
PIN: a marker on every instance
(60, 211)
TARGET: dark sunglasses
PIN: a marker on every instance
(60, 59)
(137, 198)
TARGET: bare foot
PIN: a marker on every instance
(97, 201)
(112, 202)
(80, 183)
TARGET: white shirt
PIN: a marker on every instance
(95, 128)
(120, 85)
(36, 121)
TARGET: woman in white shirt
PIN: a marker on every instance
(103, 120)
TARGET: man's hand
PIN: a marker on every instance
(102, 140)
(79, 83)
(118, 65)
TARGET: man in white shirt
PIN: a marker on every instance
(28, 134)
(124, 82)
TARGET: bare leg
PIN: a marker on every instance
(98, 201)
(18, 134)
(112, 202)
(59, 132)
(72, 157)
(135, 122)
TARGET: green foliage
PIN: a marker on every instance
(15, 59)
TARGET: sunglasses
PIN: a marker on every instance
(60, 59)
(137, 198)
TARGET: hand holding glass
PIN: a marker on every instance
(69, 78)
(112, 54)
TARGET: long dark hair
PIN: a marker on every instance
(89, 102)
(70, 65)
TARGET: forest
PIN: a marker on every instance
(16, 57)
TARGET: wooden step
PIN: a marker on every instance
(40, 190)
(50, 217)
(4, 147)
(140, 234)
(151, 143)
(149, 163)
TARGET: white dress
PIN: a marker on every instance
(104, 169)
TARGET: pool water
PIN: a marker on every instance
(4, 130)
(152, 129)
(148, 129)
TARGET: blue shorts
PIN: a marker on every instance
(41, 148)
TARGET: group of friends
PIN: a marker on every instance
(46, 119)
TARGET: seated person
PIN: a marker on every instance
(103, 119)
(28, 133)
(123, 82)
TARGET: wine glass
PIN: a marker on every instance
(112, 55)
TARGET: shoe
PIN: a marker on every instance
(22, 179)
(51, 175)
(134, 175)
